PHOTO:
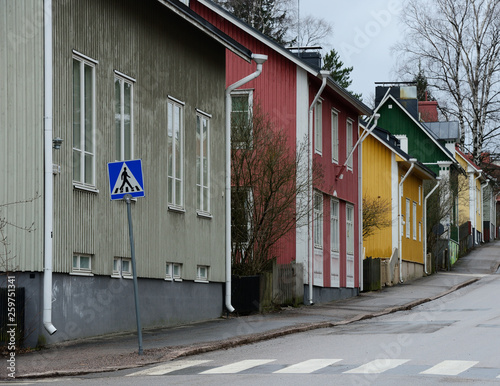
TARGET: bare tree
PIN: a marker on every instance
(5, 257)
(269, 175)
(312, 31)
(376, 214)
(458, 44)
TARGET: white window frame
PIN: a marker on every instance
(408, 218)
(414, 220)
(118, 271)
(173, 271)
(335, 136)
(334, 226)
(318, 220)
(318, 127)
(81, 151)
(349, 229)
(202, 272)
(420, 195)
(349, 134)
(175, 203)
(249, 94)
(203, 163)
(78, 270)
(120, 117)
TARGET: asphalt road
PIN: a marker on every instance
(452, 340)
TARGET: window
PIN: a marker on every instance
(241, 119)
(241, 215)
(124, 123)
(408, 218)
(420, 195)
(173, 271)
(122, 267)
(203, 162)
(334, 226)
(84, 121)
(349, 138)
(82, 264)
(318, 128)
(350, 229)
(202, 273)
(414, 220)
(175, 149)
(318, 220)
(335, 136)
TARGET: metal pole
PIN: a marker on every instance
(128, 198)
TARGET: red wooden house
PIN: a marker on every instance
(329, 248)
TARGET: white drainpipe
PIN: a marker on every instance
(425, 223)
(412, 160)
(48, 189)
(474, 215)
(310, 246)
(259, 59)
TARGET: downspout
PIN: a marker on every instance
(48, 174)
(360, 214)
(259, 59)
(413, 161)
(425, 223)
(474, 216)
(310, 246)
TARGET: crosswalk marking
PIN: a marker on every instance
(450, 367)
(377, 366)
(238, 366)
(308, 366)
(169, 367)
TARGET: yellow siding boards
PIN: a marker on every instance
(412, 246)
(377, 184)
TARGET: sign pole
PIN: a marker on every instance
(128, 198)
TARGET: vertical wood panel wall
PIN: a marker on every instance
(21, 133)
(166, 56)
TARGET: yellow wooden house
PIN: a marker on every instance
(470, 197)
(394, 179)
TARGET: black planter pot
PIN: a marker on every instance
(245, 294)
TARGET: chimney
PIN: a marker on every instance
(428, 111)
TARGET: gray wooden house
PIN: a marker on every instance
(115, 80)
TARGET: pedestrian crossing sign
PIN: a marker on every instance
(125, 177)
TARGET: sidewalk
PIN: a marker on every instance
(119, 351)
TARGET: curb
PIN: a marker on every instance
(180, 352)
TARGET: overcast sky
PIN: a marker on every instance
(363, 33)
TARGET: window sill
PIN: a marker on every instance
(81, 274)
(201, 281)
(86, 188)
(128, 277)
(203, 214)
(170, 279)
(176, 209)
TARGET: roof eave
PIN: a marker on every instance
(209, 29)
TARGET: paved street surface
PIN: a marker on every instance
(109, 353)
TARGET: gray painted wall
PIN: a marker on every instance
(91, 306)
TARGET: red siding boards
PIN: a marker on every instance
(275, 90)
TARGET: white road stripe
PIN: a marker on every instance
(377, 366)
(168, 368)
(450, 367)
(234, 368)
(308, 366)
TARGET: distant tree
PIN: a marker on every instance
(312, 31)
(271, 17)
(269, 178)
(376, 214)
(423, 93)
(338, 71)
